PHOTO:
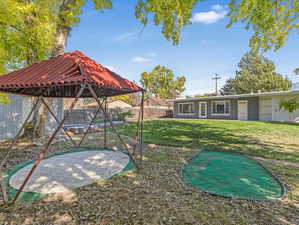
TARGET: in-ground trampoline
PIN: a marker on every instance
(71, 75)
(63, 172)
(231, 175)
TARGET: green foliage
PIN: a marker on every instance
(256, 73)
(271, 20)
(296, 71)
(290, 105)
(160, 82)
(26, 32)
(28, 28)
(102, 4)
(4, 99)
(123, 115)
(126, 98)
(172, 14)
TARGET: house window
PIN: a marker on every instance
(186, 108)
(221, 107)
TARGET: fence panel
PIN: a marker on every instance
(13, 115)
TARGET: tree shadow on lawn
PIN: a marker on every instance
(208, 136)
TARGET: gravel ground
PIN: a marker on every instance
(153, 195)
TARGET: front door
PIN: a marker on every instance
(202, 109)
(242, 110)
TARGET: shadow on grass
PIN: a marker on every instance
(242, 137)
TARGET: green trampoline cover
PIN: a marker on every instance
(231, 175)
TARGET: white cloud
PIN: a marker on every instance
(217, 13)
(217, 7)
(208, 17)
(140, 59)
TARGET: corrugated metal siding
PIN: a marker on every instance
(57, 108)
(12, 115)
(68, 69)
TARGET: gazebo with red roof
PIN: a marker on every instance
(71, 75)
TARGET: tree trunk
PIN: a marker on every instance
(62, 34)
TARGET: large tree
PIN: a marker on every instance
(161, 82)
(36, 29)
(25, 34)
(32, 30)
(256, 73)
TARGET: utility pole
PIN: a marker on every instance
(216, 78)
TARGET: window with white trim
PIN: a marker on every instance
(221, 107)
(186, 108)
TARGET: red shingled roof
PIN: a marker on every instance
(61, 76)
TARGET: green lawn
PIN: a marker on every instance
(269, 140)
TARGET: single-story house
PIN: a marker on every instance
(262, 106)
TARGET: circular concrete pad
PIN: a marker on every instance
(71, 170)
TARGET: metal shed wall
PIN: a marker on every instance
(13, 115)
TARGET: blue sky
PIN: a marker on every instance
(117, 40)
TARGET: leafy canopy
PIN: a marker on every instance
(271, 20)
(290, 105)
(161, 82)
(28, 28)
(26, 32)
(256, 73)
(172, 14)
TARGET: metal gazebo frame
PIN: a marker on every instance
(84, 88)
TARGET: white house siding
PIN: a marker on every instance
(13, 115)
(269, 109)
(282, 115)
(265, 108)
